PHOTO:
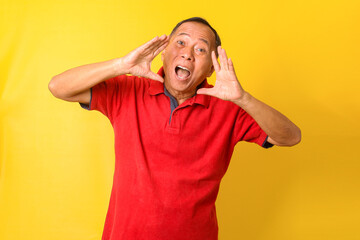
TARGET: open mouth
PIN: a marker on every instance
(182, 72)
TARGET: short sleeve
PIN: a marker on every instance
(106, 96)
(85, 106)
(247, 129)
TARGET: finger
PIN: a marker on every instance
(223, 59)
(227, 59)
(221, 56)
(206, 91)
(154, 49)
(160, 48)
(215, 62)
(161, 40)
(153, 43)
(150, 43)
(163, 37)
(231, 65)
(224, 52)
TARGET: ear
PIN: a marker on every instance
(162, 55)
(211, 71)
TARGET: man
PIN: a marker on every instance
(174, 133)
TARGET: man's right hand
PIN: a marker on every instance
(74, 84)
(138, 61)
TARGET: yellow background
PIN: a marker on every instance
(301, 57)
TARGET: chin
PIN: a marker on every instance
(177, 85)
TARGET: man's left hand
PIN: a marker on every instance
(280, 129)
(227, 86)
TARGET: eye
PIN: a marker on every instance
(180, 42)
(201, 50)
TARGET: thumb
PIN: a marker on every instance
(206, 91)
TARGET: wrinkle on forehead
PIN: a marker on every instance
(194, 28)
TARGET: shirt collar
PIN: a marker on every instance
(157, 87)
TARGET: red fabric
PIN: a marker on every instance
(167, 175)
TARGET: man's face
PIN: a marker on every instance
(187, 58)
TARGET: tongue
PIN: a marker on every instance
(182, 73)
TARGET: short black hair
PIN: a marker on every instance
(203, 21)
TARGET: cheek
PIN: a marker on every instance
(167, 55)
(206, 65)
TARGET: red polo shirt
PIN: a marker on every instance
(167, 173)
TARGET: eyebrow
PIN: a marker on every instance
(204, 40)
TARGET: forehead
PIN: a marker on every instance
(196, 30)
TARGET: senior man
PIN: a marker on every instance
(174, 133)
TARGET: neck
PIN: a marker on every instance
(178, 95)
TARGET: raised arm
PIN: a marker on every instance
(74, 84)
(280, 129)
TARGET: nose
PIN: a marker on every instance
(187, 54)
